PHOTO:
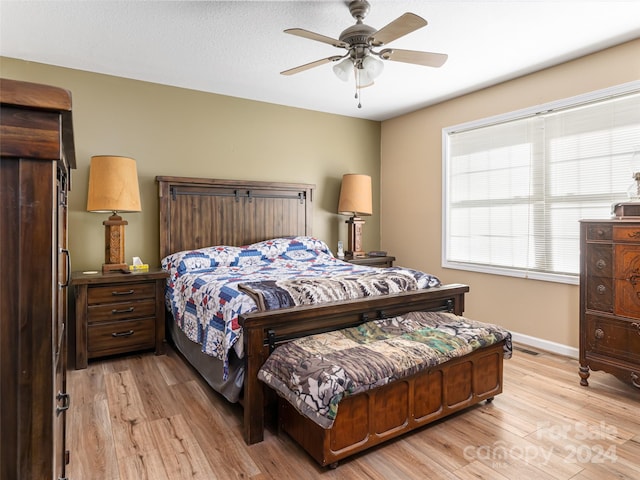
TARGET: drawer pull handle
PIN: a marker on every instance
(635, 380)
(636, 325)
(122, 334)
(66, 401)
(126, 310)
(634, 279)
(599, 333)
(128, 292)
(601, 289)
(601, 264)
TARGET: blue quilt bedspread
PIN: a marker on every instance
(203, 289)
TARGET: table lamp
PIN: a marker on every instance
(355, 200)
(113, 187)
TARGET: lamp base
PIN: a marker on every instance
(115, 268)
(354, 238)
(114, 245)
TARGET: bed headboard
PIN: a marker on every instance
(201, 212)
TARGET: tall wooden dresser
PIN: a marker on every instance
(610, 298)
(37, 153)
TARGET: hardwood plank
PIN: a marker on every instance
(144, 466)
(157, 399)
(91, 442)
(131, 431)
(479, 471)
(181, 454)
(208, 423)
(88, 384)
(405, 460)
(172, 368)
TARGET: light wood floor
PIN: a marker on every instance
(151, 417)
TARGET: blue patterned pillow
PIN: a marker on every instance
(201, 259)
(294, 248)
(277, 247)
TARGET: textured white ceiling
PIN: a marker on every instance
(238, 48)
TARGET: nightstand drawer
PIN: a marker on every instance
(113, 312)
(120, 337)
(120, 292)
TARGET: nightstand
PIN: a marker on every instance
(381, 262)
(117, 313)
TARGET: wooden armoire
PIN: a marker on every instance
(37, 155)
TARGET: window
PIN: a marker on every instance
(516, 186)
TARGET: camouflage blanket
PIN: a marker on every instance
(284, 293)
(314, 373)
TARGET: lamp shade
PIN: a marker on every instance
(372, 66)
(113, 185)
(355, 195)
(343, 69)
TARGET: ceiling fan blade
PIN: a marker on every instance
(307, 66)
(401, 26)
(427, 59)
(300, 32)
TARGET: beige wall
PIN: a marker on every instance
(173, 131)
(411, 191)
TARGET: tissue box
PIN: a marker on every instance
(139, 268)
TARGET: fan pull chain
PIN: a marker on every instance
(358, 95)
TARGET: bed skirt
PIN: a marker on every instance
(210, 368)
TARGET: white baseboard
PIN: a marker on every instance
(547, 345)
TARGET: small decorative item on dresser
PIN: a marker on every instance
(610, 299)
(117, 314)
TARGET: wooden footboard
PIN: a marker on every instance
(378, 415)
(263, 331)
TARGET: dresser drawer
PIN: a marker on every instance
(599, 293)
(599, 231)
(626, 233)
(112, 312)
(599, 260)
(120, 337)
(120, 292)
(613, 337)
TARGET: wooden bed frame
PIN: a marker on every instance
(196, 213)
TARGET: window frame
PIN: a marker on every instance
(563, 104)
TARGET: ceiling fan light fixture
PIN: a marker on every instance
(373, 66)
(363, 78)
(359, 41)
(343, 69)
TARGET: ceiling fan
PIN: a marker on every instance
(360, 40)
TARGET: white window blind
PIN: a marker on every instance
(516, 186)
